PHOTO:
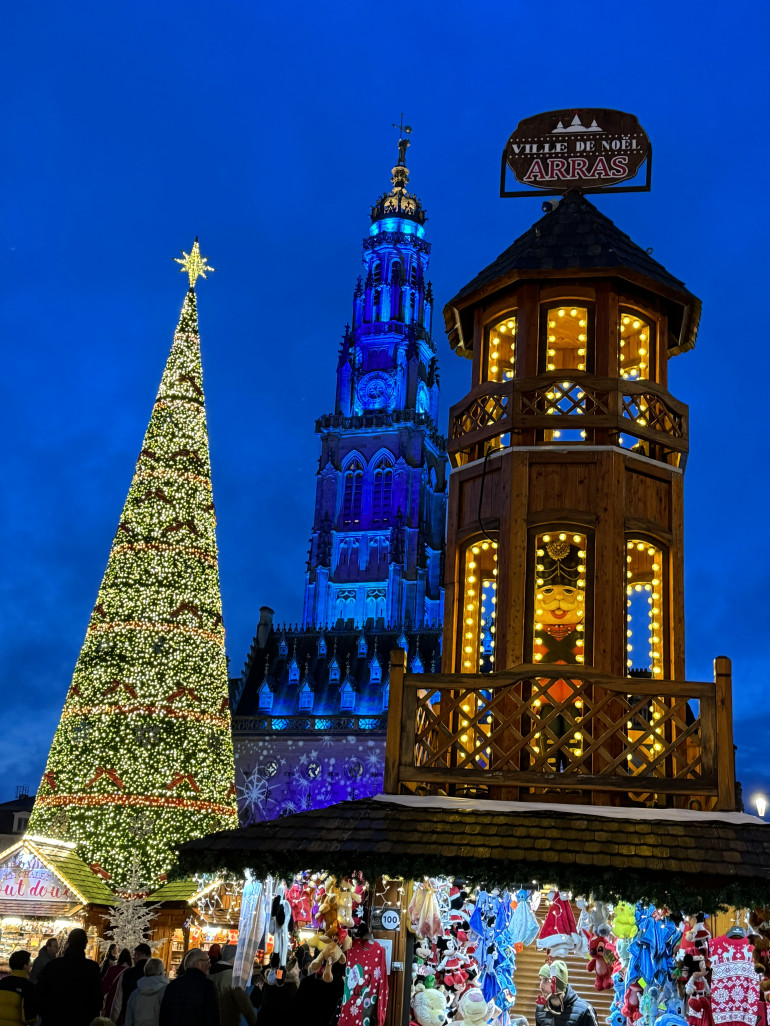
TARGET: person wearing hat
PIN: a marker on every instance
(559, 1004)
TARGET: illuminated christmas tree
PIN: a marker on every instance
(142, 758)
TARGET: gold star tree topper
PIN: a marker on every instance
(193, 263)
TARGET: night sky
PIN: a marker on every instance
(265, 129)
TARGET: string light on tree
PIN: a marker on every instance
(142, 758)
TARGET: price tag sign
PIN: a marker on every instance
(386, 919)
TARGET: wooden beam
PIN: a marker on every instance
(393, 754)
(558, 781)
(725, 749)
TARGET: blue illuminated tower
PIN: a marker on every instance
(378, 534)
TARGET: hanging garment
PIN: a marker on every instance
(299, 899)
(424, 912)
(559, 932)
(524, 926)
(365, 998)
(734, 982)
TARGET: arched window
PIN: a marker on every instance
(559, 637)
(644, 609)
(559, 625)
(501, 349)
(636, 338)
(352, 492)
(479, 607)
(382, 498)
(568, 337)
(396, 272)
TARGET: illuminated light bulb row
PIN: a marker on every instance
(502, 355)
(475, 617)
(652, 588)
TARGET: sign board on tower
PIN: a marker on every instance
(592, 150)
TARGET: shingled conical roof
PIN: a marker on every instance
(576, 237)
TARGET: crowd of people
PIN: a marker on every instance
(131, 988)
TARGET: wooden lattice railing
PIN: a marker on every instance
(605, 409)
(532, 732)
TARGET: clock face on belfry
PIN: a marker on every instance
(376, 390)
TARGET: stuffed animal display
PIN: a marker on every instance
(474, 1009)
(603, 961)
(429, 1007)
(335, 937)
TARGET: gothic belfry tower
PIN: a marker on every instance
(378, 534)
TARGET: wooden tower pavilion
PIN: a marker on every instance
(565, 541)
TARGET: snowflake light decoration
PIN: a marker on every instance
(253, 796)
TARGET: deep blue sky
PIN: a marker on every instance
(265, 129)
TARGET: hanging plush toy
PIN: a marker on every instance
(624, 921)
(699, 1001)
(698, 935)
(631, 1009)
(474, 1009)
(335, 938)
(603, 961)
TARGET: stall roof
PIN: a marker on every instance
(661, 855)
(62, 860)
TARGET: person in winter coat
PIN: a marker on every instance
(559, 1004)
(233, 1001)
(70, 987)
(278, 999)
(46, 954)
(191, 999)
(110, 958)
(144, 1004)
(127, 984)
(110, 978)
(317, 1001)
(18, 996)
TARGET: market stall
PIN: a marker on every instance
(194, 914)
(485, 893)
(45, 891)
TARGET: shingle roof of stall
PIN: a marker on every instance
(628, 853)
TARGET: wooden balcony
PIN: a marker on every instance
(608, 411)
(608, 740)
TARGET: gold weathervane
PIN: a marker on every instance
(193, 263)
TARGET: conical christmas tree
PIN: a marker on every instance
(142, 758)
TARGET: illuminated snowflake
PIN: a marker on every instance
(142, 824)
(374, 762)
(82, 732)
(254, 796)
(327, 741)
(59, 825)
(147, 735)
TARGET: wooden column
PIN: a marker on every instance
(723, 680)
(395, 706)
